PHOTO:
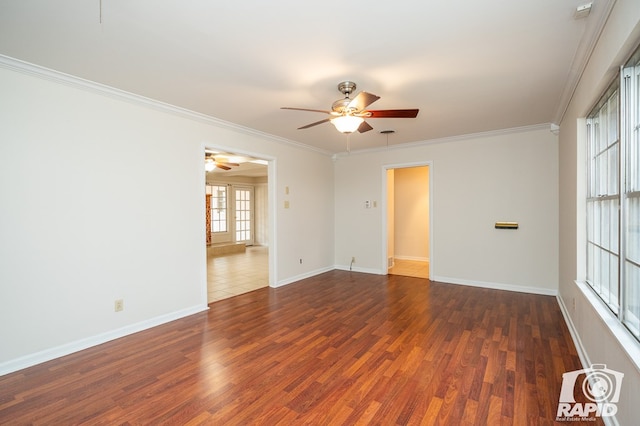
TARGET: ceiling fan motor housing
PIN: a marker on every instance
(340, 105)
(346, 88)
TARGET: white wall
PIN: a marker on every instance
(620, 35)
(511, 176)
(86, 217)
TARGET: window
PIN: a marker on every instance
(218, 207)
(613, 197)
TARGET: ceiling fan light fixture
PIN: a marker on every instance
(209, 165)
(233, 158)
(347, 123)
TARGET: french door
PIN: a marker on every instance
(243, 201)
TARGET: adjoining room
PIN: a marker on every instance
(236, 225)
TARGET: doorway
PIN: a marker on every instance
(408, 220)
(239, 251)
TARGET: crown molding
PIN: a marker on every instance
(491, 133)
(38, 71)
(595, 25)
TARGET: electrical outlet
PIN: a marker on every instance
(573, 303)
(118, 305)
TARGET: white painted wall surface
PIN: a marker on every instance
(103, 199)
(475, 182)
(597, 339)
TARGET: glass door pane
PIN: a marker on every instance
(244, 215)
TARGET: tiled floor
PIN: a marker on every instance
(410, 268)
(233, 274)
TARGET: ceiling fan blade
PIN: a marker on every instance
(314, 124)
(362, 100)
(393, 113)
(364, 127)
(225, 163)
(222, 166)
(307, 109)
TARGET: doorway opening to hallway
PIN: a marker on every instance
(408, 221)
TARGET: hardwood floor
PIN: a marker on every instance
(340, 348)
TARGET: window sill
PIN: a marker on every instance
(627, 341)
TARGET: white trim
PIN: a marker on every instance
(575, 336)
(492, 133)
(79, 345)
(496, 286)
(415, 258)
(310, 274)
(361, 270)
(102, 89)
(272, 232)
(595, 26)
(628, 343)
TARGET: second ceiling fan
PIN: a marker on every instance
(214, 160)
(348, 115)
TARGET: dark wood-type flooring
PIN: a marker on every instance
(340, 348)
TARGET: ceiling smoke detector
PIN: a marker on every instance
(583, 11)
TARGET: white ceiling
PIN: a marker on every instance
(469, 66)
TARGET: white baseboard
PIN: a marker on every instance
(78, 345)
(582, 353)
(580, 349)
(416, 258)
(357, 269)
(310, 274)
(496, 286)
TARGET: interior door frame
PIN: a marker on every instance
(272, 221)
(384, 205)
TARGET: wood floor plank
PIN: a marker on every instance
(338, 348)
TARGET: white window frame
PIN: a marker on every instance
(219, 208)
(613, 197)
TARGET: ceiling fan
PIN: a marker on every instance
(348, 115)
(215, 160)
